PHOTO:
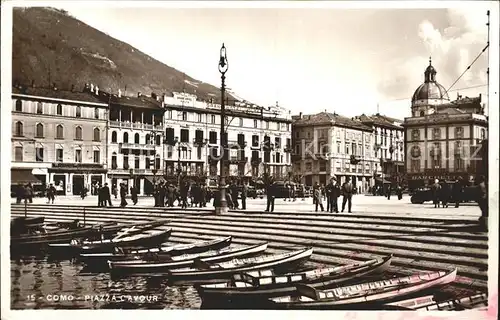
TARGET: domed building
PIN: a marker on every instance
(442, 137)
(429, 94)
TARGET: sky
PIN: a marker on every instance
(341, 60)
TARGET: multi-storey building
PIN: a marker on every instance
(443, 139)
(136, 140)
(388, 146)
(258, 138)
(59, 136)
(325, 145)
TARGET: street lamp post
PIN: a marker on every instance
(223, 67)
(179, 170)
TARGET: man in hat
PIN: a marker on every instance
(457, 191)
(347, 189)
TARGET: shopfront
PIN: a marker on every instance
(71, 178)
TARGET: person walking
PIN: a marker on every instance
(335, 196)
(399, 191)
(244, 192)
(457, 191)
(123, 194)
(445, 194)
(184, 195)
(329, 196)
(29, 192)
(270, 197)
(347, 190)
(482, 201)
(106, 195)
(100, 197)
(318, 198)
(133, 194)
(51, 193)
(436, 189)
(234, 195)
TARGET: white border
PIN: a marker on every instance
(6, 58)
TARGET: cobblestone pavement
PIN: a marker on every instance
(365, 204)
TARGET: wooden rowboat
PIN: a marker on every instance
(264, 284)
(151, 238)
(184, 261)
(155, 254)
(477, 301)
(203, 271)
(366, 293)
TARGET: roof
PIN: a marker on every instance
(143, 102)
(450, 110)
(57, 94)
(331, 119)
(380, 120)
(430, 90)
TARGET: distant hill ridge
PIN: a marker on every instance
(50, 47)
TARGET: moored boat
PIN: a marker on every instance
(162, 253)
(477, 301)
(264, 284)
(150, 238)
(359, 295)
(207, 272)
(184, 261)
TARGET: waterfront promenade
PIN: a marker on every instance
(420, 237)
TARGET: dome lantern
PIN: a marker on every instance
(430, 72)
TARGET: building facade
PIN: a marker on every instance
(259, 139)
(325, 145)
(59, 136)
(388, 147)
(443, 138)
(136, 140)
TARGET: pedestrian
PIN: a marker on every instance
(444, 194)
(133, 194)
(399, 190)
(29, 192)
(244, 192)
(115, 191)
(51, 193)
(329, 196)
(389, 191)
(482, 201)
(347, 190)
(457, 191)
(106, 195)
(270, 193)
(436, 189)
(162, 193)
(318, 198)
(335, 196)
(184, 195)
(19, 193)
(234, 195)
(123, 194)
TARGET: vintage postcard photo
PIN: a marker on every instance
(250, 156)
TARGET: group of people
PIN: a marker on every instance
(332, 191)
(189, 194)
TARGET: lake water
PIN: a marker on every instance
(41, 284)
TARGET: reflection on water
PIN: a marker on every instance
(38, 283)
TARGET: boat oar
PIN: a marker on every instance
(200, 264)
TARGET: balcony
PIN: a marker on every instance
(238, 160)
(137, 146)
(136, 125)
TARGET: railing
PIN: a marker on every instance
(136, 125)
(137, 146)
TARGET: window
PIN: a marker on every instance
(39, 130)
(200, 117)
(322, 166)
(59, 155)
(198, 153)
(136, 138)
(436, 133)
(277, 143)
(113, 137)
(198, 137)
(59, 109)
(459, 132)
(78, 155)
(184, 135)
(59, 132)
(19, 129)
(255, 124)
(18, 153)
(255, 140)
(338, 147)
(415, 134)
(212, 118)
(78, 133)
(422, 113)
(157, 162)
(19, 105)
(158, 140)
(483, 134)
(308, 166)
(78, 111)
(169, 152)
(97, 134)
(39, 154)
(458, 161)
(136, 162)
(148, 164)
(347, 148)
(170, 136)
(353, 145)
(241, 122)
(125, 137)
(96, 113)
(125, 162)
(367, 151)
(267, 124)
(184, 116)
(114, 164)
(39, 108)
(213, 137)
(169, 114)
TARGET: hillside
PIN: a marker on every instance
(50, 46)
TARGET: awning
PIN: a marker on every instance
(380, 180)
(22, 176)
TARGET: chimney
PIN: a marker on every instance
(96, 90)
(72, 88)
(32, 83)
(138, 94)
(119, 93)
(300, 115)
(54, 86)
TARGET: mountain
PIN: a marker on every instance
(51, 47)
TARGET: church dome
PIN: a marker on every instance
(430, 89)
